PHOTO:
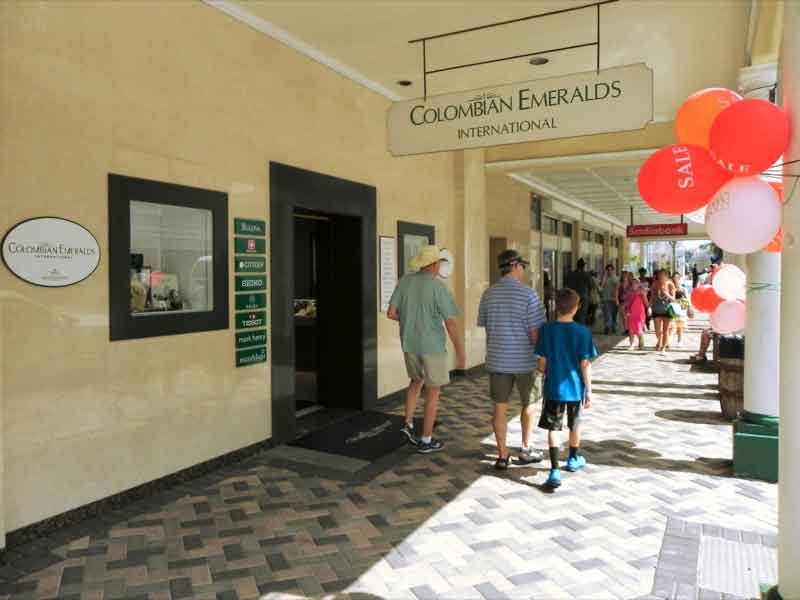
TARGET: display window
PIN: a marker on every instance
(168, 258)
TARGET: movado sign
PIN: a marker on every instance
(50, 252)
(618, 99)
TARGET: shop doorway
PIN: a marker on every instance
(324, 303)
(496, 246)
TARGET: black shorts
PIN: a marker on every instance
(552, 418)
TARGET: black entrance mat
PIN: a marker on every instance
(367, 435)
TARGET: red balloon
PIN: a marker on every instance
(749, 136)
(680, 178)
(697, 114)
(705, 299)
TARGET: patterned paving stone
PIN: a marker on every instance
(439, 526)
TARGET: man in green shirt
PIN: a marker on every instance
(425, 308)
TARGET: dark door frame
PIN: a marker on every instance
(292, 188)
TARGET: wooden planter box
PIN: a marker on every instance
(731, 387)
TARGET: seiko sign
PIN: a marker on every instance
(617, 99)
(50, 252)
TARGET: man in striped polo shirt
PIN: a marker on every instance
(512, 313)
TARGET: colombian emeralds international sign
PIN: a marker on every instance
(249, 239)
(617, 99)
(50, 251)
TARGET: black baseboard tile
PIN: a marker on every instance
(104, 506)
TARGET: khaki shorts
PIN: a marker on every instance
(529, 386)
(432, 368)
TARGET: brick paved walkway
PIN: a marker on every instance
(444, 525)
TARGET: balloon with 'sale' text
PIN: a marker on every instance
(749, 136)
(680, 178)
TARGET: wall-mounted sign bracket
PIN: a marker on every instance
(425, 40)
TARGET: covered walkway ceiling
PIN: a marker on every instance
(690, 44)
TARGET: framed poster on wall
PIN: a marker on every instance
(411, 238)
(388, 269)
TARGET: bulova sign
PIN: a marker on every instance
(50, 252)
(617, 99)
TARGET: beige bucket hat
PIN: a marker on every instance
(427, 256)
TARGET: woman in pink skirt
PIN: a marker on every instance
(636, 313)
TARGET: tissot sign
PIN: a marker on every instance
(617, 99)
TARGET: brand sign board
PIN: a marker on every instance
(50, 251)
(670, 229)
(251, 338)
(251, 320)
(249, 227)
(251, 283)
(246, 245)
(249, 264)
(251, 356)
(251, 301)
(616, 99)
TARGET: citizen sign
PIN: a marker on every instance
(50, 252)
(617, 99)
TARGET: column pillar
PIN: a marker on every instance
(472, 235)
(755, 439)
(789, 473)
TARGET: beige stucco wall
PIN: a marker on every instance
(176, 92)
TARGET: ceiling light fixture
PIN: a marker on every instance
(404, 82)
(539, 60)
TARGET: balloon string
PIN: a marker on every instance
(763, 287)
(791, 194)
(788, 162)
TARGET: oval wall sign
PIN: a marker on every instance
(50, 252)
(446, 268)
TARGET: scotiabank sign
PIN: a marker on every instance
(670, 229)
(617, 99)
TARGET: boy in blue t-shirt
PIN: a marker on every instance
(565, 351)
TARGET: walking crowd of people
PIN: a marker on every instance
(546, 359)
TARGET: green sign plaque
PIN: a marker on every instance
(249, 245)
(250, 264)
(251, 283)
(251, 338)
(251, 301)
(251, 356)
(249, 227)
(251, 320)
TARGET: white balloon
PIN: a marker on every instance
(729, 283)
(744, 215)
(729, 317)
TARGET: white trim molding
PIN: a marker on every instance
(583, 161)
(540, 186)
(232, 9)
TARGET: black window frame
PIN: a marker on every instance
(550, 225)
(566, 229)
(405, 228)
(124, 326)
(536, 213)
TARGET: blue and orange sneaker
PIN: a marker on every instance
(554, 480)
(575, 463)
